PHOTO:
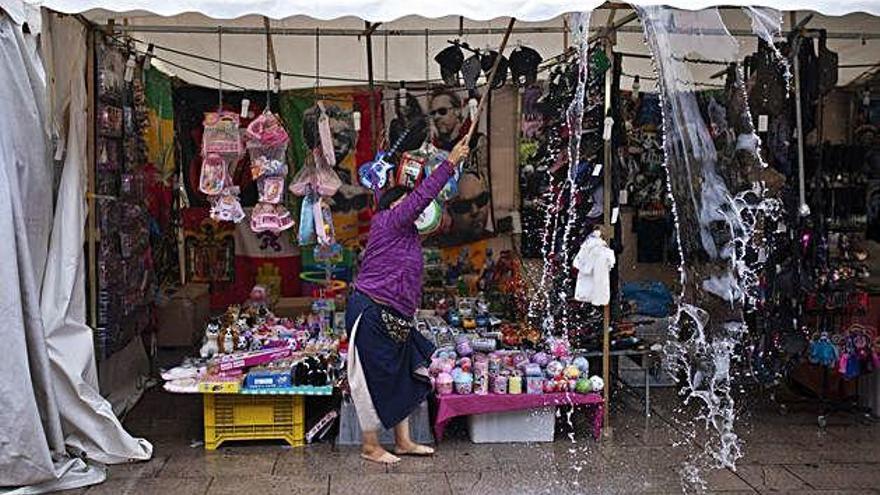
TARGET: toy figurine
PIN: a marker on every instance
(259, 298)
(210, 347)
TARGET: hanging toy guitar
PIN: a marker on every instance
(374, 174)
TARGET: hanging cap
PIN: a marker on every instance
(450, 60)
(470, 72)
(524, 63)
(487, 60)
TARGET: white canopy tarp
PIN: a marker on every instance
(383, 10)
(49, 399)
(342, 60)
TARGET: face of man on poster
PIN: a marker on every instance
(446, 113)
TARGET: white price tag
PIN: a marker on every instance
(609, 125)
(597, 170)
(245, 105)
(614, 214)
(624, 197)
(763, 123)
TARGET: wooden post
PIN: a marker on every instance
(607, 192)
(91, 238)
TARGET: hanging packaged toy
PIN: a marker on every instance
(271, 189)
(437, 157)
(222, 134)
(226, 206)
(411, 169)
(304, 182)
(267, 145)
(213, 175)
(307, 221)
(323, 222)
(326, 136)
(327, 181)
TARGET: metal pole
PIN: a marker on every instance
(279, 31)
(372, 84)
(92, 164)
(799, 122)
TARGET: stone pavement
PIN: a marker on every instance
(783, 453)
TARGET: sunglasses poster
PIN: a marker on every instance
(431, 123)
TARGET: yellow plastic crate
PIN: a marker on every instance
(254, 417)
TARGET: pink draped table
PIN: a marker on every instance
(451, 406)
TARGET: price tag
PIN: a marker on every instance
(624, 197)
(609, 125)
(614, 214)
(597, 170)
(763, 123)
(245, 105)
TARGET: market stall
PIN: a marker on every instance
(219, 177)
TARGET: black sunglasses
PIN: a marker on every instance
(463, 206)
(442, 111)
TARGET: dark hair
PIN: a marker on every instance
(454, 99)
(390, 196)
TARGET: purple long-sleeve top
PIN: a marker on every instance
(391, 270)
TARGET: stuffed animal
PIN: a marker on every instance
(210, 347)
(596, 383)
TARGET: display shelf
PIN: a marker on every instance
(303, 390)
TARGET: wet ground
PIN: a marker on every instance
(783, 453)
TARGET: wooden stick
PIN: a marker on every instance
(270, 46)
(484, 98)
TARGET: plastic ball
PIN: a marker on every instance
(572, 372)
(597, 383)
(583, 386)
(541, 359)
(582, 364)
(553, 369)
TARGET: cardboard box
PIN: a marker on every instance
(182, 316)
(536, 425)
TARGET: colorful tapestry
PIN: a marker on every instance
(159, 135)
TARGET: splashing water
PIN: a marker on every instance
(580, 23)
(557, 256)
(718, 205)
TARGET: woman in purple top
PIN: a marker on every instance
(388, 357)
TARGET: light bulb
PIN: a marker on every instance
(356, 120)
(474, 106)
(129, 68)
(148, 57)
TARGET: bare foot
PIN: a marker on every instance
(413, 449)
(380, 455)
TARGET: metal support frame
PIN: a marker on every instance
(91, 239)
(331, 32)
(799, 123)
